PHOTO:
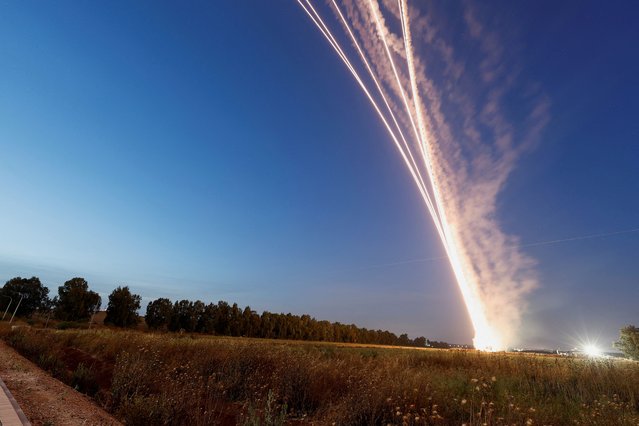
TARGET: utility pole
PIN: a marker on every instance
(10, 302)
(14, 312)
(91, 320)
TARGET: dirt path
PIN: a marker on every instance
(45, 400)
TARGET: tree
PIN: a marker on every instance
(236, 320)
(250, 322)
(223, 319)
(34, 295)
(436, 344)
(158, 313)
(123, 307)
(75, 301)
(207, 319)
(628, 342)
(420, 342)
(404, 340)
(185, 315)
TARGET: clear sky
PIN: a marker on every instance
(219, 150)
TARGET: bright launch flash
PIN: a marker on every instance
(592, 351)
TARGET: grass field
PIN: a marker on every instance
(147, 379)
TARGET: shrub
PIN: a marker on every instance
(66, 325)
(52, 364)
(84, 380)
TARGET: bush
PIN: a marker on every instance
(66, 325)
(83, 379)
(272, 414)
(51, 363)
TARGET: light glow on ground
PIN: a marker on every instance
(592, 351)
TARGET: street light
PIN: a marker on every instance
(14, 312)
(5, 311)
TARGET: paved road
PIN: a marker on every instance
(10, 412)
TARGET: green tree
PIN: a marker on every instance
(251, 322)
(207, 320)
(236, 320)
(158, 313)
(420, 342)
(628, 342)
(75, 302)
(403, 340)
(185, 315)
(34, 295)
(223, 319)
(122, 310)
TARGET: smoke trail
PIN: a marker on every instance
(535, 244)
(467, 144)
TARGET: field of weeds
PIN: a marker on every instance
(149, 379)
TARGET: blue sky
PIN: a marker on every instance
(220, 151)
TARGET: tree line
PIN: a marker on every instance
(26, 296)
(224, 319)
(76, 302)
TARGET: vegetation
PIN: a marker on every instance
(123, 307)
(150, 379)
(628, 342)
(146, 378)
(75, 302)
(158, 314)
(223, 319)
(28, 292)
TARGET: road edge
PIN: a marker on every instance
(14, 404)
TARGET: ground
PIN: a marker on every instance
(45, 400)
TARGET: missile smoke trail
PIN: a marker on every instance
(405, 152)
(535, 244)
(458, 177)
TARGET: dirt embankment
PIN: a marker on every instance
(45, 400)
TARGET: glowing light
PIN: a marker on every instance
(592, 351)
(486, 337)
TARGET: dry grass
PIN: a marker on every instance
(182, 379)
